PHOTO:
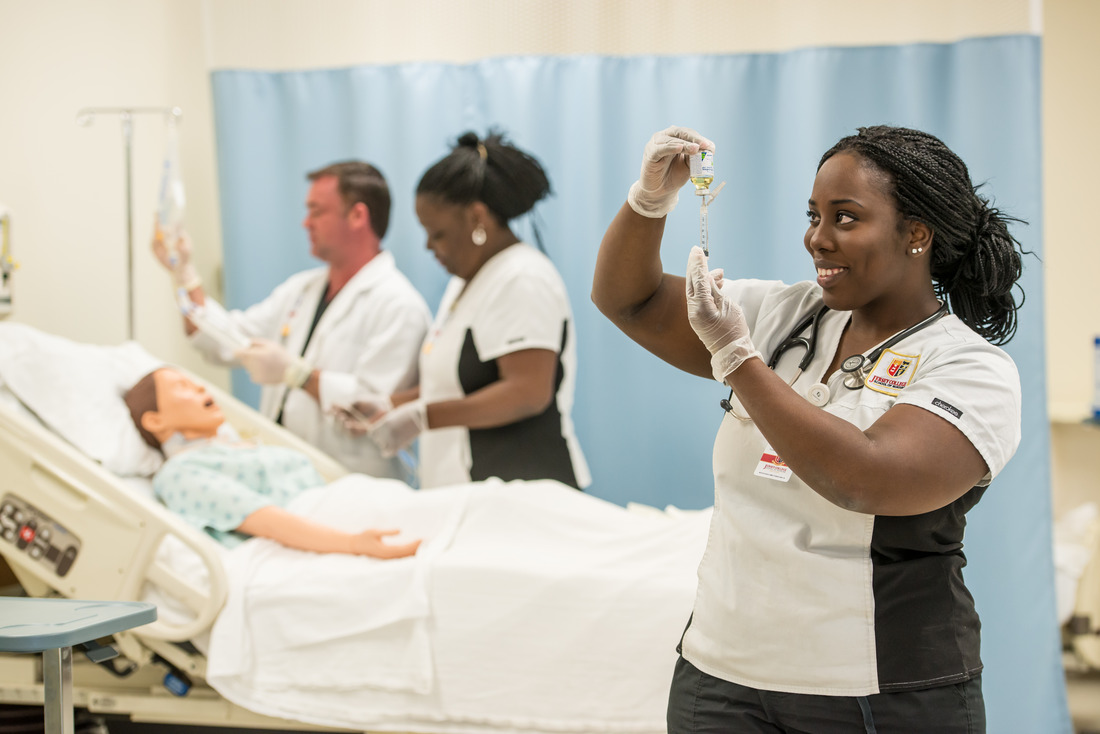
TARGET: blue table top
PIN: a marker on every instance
(35, 625)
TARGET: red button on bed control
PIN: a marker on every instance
(26, 533)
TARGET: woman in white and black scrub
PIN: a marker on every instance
(831, 596)
(498, 367)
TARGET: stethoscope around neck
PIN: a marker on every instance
(855, 368)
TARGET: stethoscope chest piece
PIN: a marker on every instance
(852, 364)
(853, 368)
(818, 395)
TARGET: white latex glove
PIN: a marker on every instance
(396, 429)
(268, 363)
(176, 258)
(366, 408)
(664, 170)
(718, 321)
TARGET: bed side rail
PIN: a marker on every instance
(78, 529)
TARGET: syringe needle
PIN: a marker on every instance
(703, 233)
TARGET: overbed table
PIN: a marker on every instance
(52, 627)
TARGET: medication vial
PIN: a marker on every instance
(701, 167)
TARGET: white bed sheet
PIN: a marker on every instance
(531, 608)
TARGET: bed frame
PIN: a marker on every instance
(1082, 632)
(44, 478)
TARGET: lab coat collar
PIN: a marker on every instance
(380, 267)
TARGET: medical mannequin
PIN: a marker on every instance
(831, 596)
(326, 334)
(498, 369)
(226, 487)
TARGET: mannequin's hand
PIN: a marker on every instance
(371, 543)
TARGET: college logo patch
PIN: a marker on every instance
(898, 368)
(892, 372)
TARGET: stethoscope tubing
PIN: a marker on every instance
(855, 368)
(858, 366)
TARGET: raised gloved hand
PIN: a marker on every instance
(176, 258)
(268, 363)
(366, 408)
(396, 429)
(664, 170)
(718, 321)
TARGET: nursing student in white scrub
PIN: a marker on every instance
(498, 368)
(831, 595)
(329, 333)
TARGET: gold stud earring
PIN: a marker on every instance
(479, 236)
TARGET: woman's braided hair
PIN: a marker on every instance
(976, 262)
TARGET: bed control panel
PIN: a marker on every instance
(33, 532)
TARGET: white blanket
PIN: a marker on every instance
(531, 607)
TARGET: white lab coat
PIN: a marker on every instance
(367, 341)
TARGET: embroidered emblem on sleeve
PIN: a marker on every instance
(892, 372)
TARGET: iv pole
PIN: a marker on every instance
(84, 118)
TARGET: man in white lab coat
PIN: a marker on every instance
(326, 335)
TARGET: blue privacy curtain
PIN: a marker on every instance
(647, 429)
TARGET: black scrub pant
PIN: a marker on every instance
(702, 704)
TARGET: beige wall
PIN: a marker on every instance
(296, 34)
(1071, 150)
(65, 186)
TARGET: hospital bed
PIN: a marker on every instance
(1077, 582)
(529, 608)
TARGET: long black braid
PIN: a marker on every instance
(976, 262)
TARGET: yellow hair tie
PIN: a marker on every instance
(481, 151)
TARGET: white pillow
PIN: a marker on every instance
(76, 390)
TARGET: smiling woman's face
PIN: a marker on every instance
(184, 407)
(857, 237)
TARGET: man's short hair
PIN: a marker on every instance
(361, 182)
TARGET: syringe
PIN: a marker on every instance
(704, 231)
(703, 242)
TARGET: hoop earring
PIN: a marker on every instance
(479, 236)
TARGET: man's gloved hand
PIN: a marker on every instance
(664, 170)
(718, 321)
(396, 429)
(365, 409)
(176, 258)
(268, 363)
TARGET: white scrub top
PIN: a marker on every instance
(516, 301)
(799, 595)
(367, 341)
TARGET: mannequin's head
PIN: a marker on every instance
(166, 402)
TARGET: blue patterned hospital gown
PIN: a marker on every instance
(216, 486)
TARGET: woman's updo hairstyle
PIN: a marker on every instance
(491, 170)
(976, 262)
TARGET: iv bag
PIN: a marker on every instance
(172, 203)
